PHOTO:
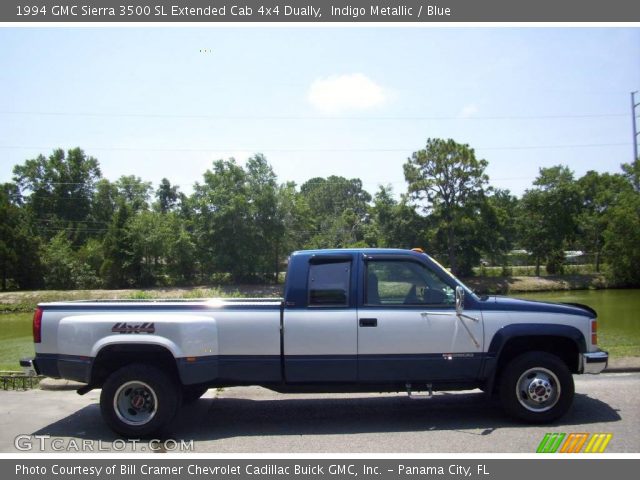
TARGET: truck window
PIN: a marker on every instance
(329, 284)
(396, 282)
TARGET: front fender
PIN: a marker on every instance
(508, 332)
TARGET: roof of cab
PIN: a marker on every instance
(334, 251)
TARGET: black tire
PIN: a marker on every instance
(191, 393)
(156, 394)
(536, 387)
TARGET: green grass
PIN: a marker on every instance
(530, 270)
(15, 340)
(618, 344)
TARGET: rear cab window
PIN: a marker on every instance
(329, 284)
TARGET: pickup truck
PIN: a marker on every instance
(351, 320)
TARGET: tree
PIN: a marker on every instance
(599, 192)
(149, 236)
(58, 191)
(63, 269)
(449, 182)
(121, 267)
(167, 196)
(622, 240)
(224, 228)
(296, 218)
(19, 259)
(268, 223)
(134, 192)
(631, 172)
(104, 202)
(498, 225)
(339, 209)
(548, 217)
(394, 223)
(181, 252)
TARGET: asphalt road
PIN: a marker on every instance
(254, 420)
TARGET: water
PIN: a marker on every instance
(618, 315)
(618, 323)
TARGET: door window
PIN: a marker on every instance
(391, 282)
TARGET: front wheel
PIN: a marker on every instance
(139, 400)
(536, 387)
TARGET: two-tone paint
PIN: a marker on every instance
(289, 343)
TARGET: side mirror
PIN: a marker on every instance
(459, 300)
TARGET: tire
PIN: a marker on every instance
(536, 387)
(191, 393)
(139, 400)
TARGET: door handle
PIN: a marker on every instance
(368, 322)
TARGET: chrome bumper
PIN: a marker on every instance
(594, 362)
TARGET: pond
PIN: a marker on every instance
(618, 315)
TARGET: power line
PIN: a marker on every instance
(311, 117)
(307, 150)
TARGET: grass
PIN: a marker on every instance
(619, 345)
(15, 340)
(522, 284)
(26, 301)
(530, 270)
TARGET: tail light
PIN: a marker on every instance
(594, 332)
(37, 326)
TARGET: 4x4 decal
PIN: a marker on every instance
(124, 327)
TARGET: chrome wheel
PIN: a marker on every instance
(135, 403)
(538, 389)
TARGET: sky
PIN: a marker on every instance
(355, 102)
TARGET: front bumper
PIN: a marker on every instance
(594, 362)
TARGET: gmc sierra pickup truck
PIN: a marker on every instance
(351, 320)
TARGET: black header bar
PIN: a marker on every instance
(319, 11)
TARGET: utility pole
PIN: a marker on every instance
(633, 122)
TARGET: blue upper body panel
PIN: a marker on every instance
(519, 305)
(296, 287)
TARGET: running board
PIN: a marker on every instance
(412, 396)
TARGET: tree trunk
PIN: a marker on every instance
(277, 266)
(453, 263)
(537, 266)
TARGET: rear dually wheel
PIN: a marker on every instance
(139, 400)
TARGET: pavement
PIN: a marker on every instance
(256, 420)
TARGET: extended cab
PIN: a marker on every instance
(351, 320)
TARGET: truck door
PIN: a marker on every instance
(408, 330)
(320, 322)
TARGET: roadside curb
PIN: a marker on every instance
(625, 364)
